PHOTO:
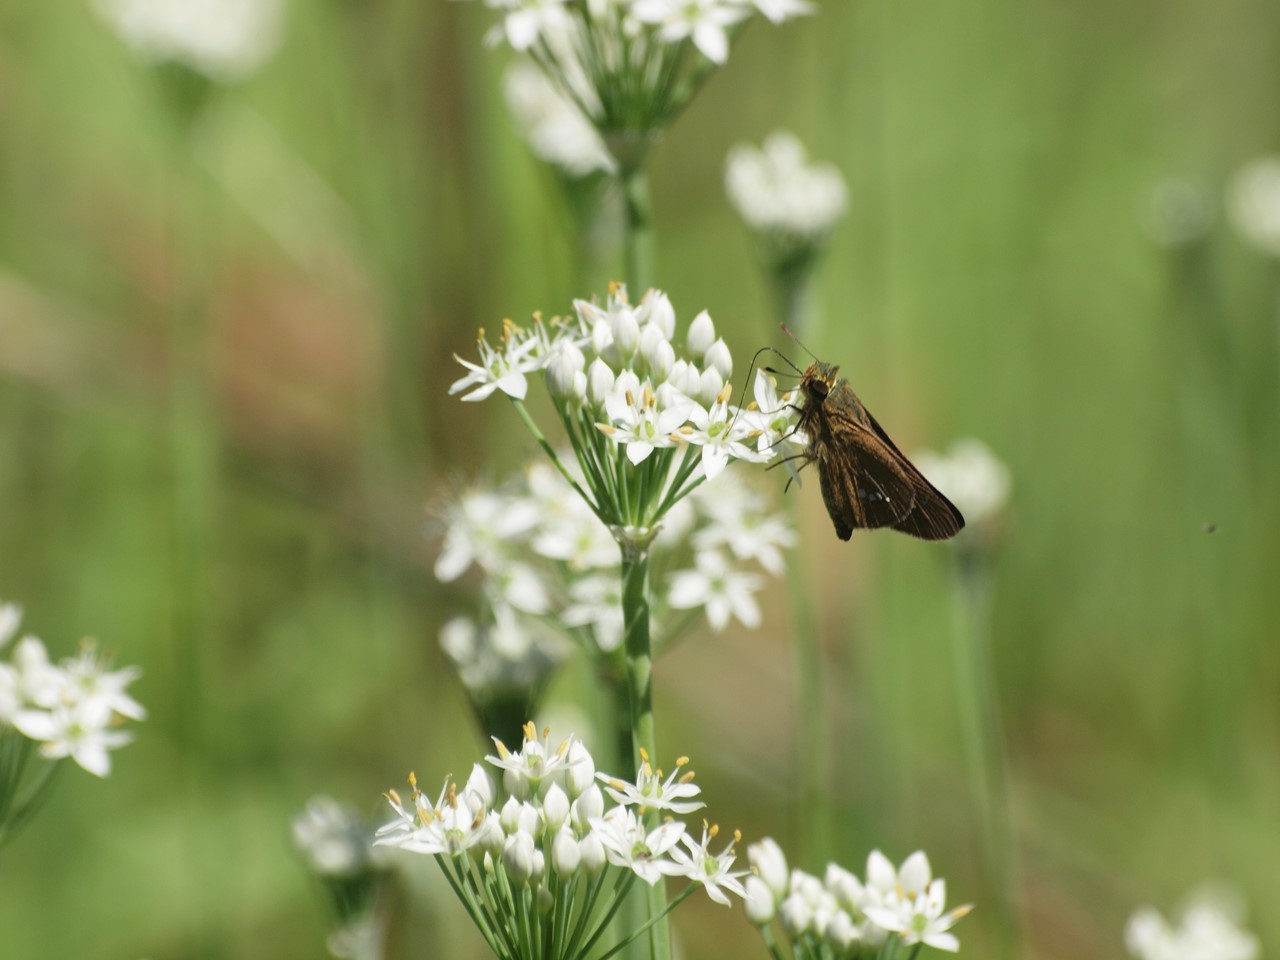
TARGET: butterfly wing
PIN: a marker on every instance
(868, 483)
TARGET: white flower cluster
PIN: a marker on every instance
(550, 572)
(618, 381)
(73, 708)
(1254, 204)
(971, 476)
(226, 40)
(1210, 927)
(841, 916)
(551, 122)
(622, 62)
(778, 193)
(334, 840)
(545, 862)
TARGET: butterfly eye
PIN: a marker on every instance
(819, 389)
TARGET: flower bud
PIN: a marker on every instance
(771, 865)
(599, 382)
(661, 359)
(702, 334)
(592, 851)
(581, 771)
(796, 915)
(510, 816)
(718, 356)
(760, 904)
(657, 310)
(601, 337)
(588, 806)
(539, 864)
(807, 885)
(563, 369)
(530, 820)
(481, 785)
(555, 808)
(625, 330)
(845, 887)
(518, 858)
(565, 853)
(709, 386)
(685, 377)
(841, 932)
(515, 783)
(546, 900)
(489, 835)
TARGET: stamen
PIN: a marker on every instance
(644, 755)
(393, 797)
(503, 752)
(607, 429)
(630, 398)
(686, 778)
(713, 830)
(681, 761)
(530, 731)
(726, 394)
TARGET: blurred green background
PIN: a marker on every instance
(223, 411)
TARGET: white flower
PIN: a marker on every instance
(626, 844)
(638, 423)
(775, 189)
(78, 730)
(1210, 927)
(737, 519)
(914, 907)
(503, 369)
(971, 476)
(10, 620)
(723, 591)
(480, 526)
(224, 39)
(88, 679)
(652, 792)
(556, 129)
(596, 602)
(30, 680)
(1254, 203)
(761, 906)
(504, 653)
(722, 434)
(333, 838)
(530, 20)
(713, 871)
(703, 20)
(536, 761)
(451, 827)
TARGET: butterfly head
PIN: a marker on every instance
(818, 381)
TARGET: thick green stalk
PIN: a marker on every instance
(635, 617)
(638, 236)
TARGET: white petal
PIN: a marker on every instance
(942, 941)
(92, 756)
(514, 384)
(638, 451)
(710, 38)
(915, 873)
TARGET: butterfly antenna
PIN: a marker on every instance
(787, 331)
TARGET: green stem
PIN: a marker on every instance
(564, 472)
(771, 942)
(638, 238)
(684, 895)
(31, 804)
(635, 618)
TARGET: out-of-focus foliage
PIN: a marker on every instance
(226, 327)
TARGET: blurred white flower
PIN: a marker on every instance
(499, 369)
(737, 517)
(334, 839)
(224, 39)
(557, 131)
(480, 525)
(724, 592)
(777, 191)
(971, 476)
(705, 21)
(88, 678)
(1210, 927)
(1253, 203)
(30, 680)
(596, 602)
(507, 653)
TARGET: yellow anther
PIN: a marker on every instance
(546, 732)
(630, 398)
(753, 406)
(606, 429)
(530, 731)
(687, 429)
(537, 316)
(480, 334)
(394, 798)
(562, 748)
(479, 819)
(451, 797)
(726, 394)
(413, 779)
(713, 831)
(614, 287)
(648, 770)
(681, 761)
(686, 778)
(660, 773)
(964, 911)
(737, 836)
(647, 396)
(503, 752)
(644, 754)
(617, 784)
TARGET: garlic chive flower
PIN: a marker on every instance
(1253, 203)
(226, 40)
(1209, 926)
(629, 66)
(979, 483)
(540, 862)
(851, 918)
(556, 129)
(652, 792)
(646, 424)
